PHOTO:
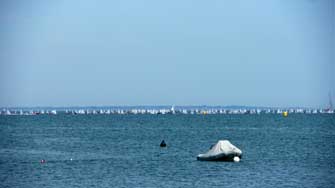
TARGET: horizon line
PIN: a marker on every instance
(158, 105)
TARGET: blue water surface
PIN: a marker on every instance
(123, 150)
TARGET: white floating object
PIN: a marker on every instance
(236, 159)
(223, 150)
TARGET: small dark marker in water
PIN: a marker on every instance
(163, 144)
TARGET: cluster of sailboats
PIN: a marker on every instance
(27, 112)
(153, 110)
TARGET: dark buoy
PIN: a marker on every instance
(163, 144)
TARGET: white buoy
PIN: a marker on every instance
(71, 159)
(236, 159)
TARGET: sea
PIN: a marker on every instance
(123, 150)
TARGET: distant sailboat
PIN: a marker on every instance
(330, 101)
(330, 109)
(172, 110)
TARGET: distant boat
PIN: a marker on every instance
(8, 112)
(330, 108)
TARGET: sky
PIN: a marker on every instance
(278, 53)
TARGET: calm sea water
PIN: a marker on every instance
(123, 151)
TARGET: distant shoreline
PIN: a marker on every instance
(127, 107)
(203, 110)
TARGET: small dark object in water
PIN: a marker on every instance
(163, 144)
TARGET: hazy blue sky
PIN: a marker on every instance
(224, 52)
